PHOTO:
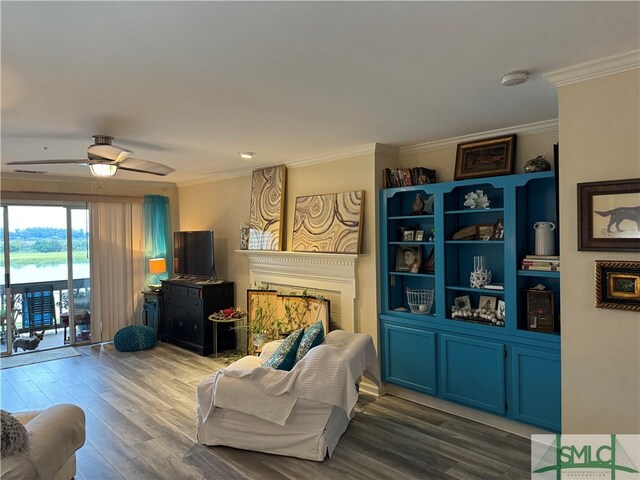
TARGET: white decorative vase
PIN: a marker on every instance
(544, 237)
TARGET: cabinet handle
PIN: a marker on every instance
(195, 327)
(180, 324)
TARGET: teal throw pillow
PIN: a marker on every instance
(285, 356)
(311, 338)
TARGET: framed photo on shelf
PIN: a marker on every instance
(462, 302)
(485, 231)
(485, 158)
(430, 262)
(487, 302)
(540, 311)
(419, 236)
(408, 259)
(407, 235)
(609, 216)
(618, 285)
(499, 230)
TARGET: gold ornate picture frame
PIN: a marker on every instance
(618, 285)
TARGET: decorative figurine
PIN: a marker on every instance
(476, 199)
(538, 164)
(418, 205)
(428, 205)
(480, 275)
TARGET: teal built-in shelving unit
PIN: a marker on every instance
(508, 370)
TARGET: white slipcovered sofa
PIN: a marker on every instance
(301, 413)
(54, 436)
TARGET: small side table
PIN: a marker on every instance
(152, 309)
(238, 324)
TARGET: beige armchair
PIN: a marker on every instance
(55, 435)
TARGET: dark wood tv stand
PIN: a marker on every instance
(187, 304)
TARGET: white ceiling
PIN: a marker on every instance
(190, 84)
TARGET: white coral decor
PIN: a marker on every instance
(476, 199)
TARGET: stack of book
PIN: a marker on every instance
(549, 263)
(405, 177)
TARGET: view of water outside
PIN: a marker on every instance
(38, 245)
(38, 254)
(46, 273)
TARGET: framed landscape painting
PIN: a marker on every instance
(485, 158)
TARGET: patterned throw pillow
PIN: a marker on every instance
(15, 439)
(285, 356)
(311, 338)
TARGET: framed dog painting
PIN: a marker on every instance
(609, 216)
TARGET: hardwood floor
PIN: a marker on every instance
(140, 410)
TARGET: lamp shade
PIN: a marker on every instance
(157, 265)
(103, 169)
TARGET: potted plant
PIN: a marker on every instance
(261, 320)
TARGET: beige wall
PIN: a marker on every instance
(599, 125)
(221, 205)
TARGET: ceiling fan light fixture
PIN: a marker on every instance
(247, 155)
(103, 169)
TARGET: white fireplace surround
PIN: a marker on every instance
(316, 272)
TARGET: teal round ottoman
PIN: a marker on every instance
(135, 338)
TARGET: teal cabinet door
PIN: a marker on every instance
(536, 387)
(473, 372)
(409, 356)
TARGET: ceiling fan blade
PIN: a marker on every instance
(110, 152)
(51, 162)
(145, 166)
(120, 167)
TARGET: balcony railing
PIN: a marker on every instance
(81, 289)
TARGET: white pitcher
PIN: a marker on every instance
(544, 238)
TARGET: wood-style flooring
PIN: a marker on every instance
(140, 410)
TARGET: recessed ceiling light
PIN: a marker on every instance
(512, 79)
(247, 155)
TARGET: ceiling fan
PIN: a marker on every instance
(105, 159)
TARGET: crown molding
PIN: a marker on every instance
(368, 149)
(527, 129)
(82, 180)
(390, 150)
(594, 69)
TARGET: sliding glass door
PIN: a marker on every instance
(47, 289)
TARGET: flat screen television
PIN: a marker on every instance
(193, 254)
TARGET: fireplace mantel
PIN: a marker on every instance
(334, 272)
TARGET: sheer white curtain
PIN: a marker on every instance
(117, 267)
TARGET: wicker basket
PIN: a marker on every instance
(420, 301)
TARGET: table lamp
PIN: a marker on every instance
(157, 266)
